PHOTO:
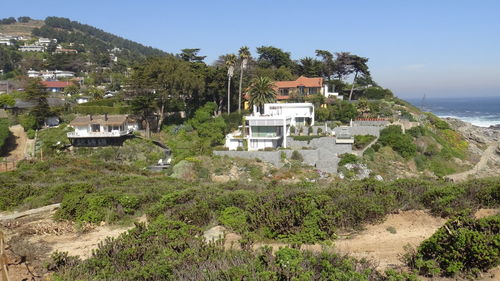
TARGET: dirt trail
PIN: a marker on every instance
(19, 148)
(483, 162)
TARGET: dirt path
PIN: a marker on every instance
(483, 162)
(18, 149)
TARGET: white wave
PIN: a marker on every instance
(476, 121)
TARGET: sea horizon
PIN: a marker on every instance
(479, 111)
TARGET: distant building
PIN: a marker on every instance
(101, 130)
(66, 51)
(46, 41)
(56, 86)
(32, 48)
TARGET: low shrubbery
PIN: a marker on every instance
(361, 141)
(462, 246)
(402, 143)
(4, 132)
(305, 138)
(173, 250)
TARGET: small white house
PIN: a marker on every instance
(100, 130)
(32, 48)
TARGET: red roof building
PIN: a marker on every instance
(303, 86)
(56, 86)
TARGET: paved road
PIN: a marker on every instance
(483, 162)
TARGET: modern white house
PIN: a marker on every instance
(267, 131)
(270, 128)
(301, 113)
(101, 130)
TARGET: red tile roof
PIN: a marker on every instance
(301, 81)
(56, 84)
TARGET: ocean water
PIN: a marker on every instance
(479, 111)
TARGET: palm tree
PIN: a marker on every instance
(261, 92)
(358, 65)
(244, 54)
(230, 61)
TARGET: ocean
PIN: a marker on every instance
(479, 111)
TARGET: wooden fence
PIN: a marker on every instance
(6, 166)
(4, 274)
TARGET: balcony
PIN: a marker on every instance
(112, 134)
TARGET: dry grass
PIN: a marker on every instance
(23, 29)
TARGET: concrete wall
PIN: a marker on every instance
(361, 130)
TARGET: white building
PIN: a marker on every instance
(327, 93)
(46, 41)
(32, 48)
(301, 113)
(101, 130)
(270, 129)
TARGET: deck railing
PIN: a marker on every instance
(97, 134)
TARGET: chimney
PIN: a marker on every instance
(105, 117)
(90, 117)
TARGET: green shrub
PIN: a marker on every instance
(319, 131)
(297, 156)
(234, 218)
(402, 143)
(4, 132)
(462, 246)
(305, 138)
(347, 158)
(361, 141)
(28, 121)
(31, 133)
(292, 130)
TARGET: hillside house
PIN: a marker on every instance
(302, 87)
(32, 48)
(101, 130)
(270, 128)
(56, 86)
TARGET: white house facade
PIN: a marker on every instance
(302, 114)
(100, 130)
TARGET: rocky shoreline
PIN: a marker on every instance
(481, 135)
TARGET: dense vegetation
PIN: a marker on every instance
(173, 250)
(462, 246)
(4, 132)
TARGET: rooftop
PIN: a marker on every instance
(99, 119)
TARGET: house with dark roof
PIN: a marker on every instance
(101, 130)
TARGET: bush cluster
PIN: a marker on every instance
(462, 246)
(173, 250)
(402, 143)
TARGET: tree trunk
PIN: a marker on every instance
(241, 84)
(160, 120)
(352, 87)
(228, 95)
(148, 128)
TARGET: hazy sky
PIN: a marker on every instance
(437, 47)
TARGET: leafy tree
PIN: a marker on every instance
(209, 128)
(328, 64)
(343, 65)
(36, 93)
(72, 90)
(23, 19)
(230, 60)
(270, 56)
(191, 55)
(358, 65)
(96, 93)
(9, 20)
(171, 82)
(7, 100)
(143, 105)
(310, 67)
(244, 55)
(322, 114)
(261, 92)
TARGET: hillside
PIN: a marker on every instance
(67, 31)
(21, 28)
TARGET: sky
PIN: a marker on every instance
(441, 48)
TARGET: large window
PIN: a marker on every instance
(264, 131)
